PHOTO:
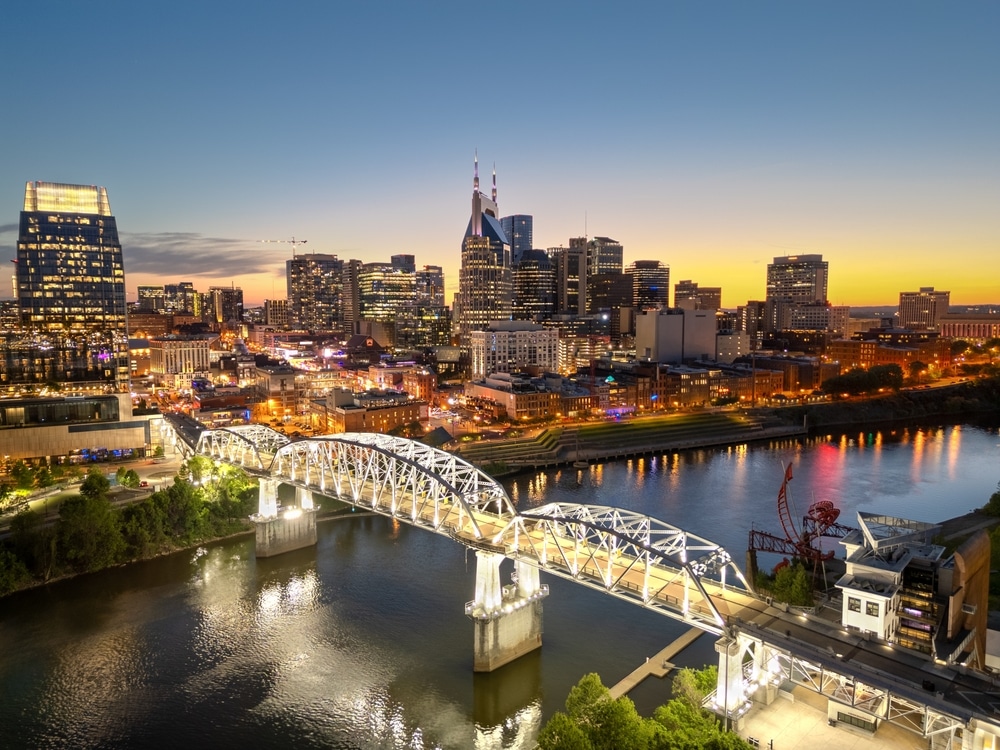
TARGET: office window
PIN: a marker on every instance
(853, 604)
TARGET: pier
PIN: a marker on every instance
(656, 666)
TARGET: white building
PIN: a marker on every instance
(730, 346)
(509, 346)
(671, 334)
(175, 360)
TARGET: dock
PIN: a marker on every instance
(657, 666)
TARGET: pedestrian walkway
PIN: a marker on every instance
(801, 724)
(657, 666)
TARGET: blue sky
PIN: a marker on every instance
(710, 136)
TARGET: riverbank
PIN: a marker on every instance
(589, 442)
(971, 399)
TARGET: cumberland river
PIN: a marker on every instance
(362, 642)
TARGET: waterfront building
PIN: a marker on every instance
(650, 284)
(534, 287)
(486, 285)
(519, 232)
(69, 277)
(852, 354)
(509, 346)
(370, 411)
(923, 310)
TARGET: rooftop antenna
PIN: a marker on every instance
(475, 179)
(587, 236)
(494, 182)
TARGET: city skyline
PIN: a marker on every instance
(712, 140)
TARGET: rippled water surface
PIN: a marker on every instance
(362, 642)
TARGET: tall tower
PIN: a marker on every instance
(316, 293)
(799, 279)
(650, 284)
(70, 279)
(486, 288)
(519, 230)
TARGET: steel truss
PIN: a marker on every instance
(629, 555)
(393, 476)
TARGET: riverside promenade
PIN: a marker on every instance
(637, 436)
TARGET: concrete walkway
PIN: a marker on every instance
(802, 725)
(658, 665)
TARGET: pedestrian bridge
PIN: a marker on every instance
(634, 557)
(629, 555)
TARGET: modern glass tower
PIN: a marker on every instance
(518, 229)
(485, 282)
(70, 279)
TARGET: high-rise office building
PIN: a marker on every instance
(650, 284)
(225, 305)
(430, 286)
(182, 298)
(315, 283)
(571, 277)
(485, 283)
(534, 287)
(798, 279)
(149, 298)
(69, 277)
(604, 255)
(404, 263)
(519, 232)
(922, 311)
(689, 295)
(385, 289)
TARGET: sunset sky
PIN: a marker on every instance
(710, 136)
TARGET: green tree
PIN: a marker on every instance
(44, 477)
(23, 475)
(182, 510)
(130, 479)
(13, 572)
(792, 585)
(584, 694)
(34, 543)
(89, 537)
(142, 529)
(562, 733)
(692, 685)
(158, 451)
(96, 485)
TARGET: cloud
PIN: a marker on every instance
(7, 228)
(183, 254)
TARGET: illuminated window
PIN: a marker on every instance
(853, 604)
(871, 608)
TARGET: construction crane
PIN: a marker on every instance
(293, 242)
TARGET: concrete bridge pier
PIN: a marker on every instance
(730, 693)
(294, 529)
(507, 619)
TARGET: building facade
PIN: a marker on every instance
(519, 232)
(513, 345)
(650, 284)
(486, 284)
(69, 276)
(923, 310)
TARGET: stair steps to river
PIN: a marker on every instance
(608, 440)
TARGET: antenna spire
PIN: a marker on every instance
(475, 179)
(494, 182)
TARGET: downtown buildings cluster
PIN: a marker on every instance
(568, 331)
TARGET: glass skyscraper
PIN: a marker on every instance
(70, 279)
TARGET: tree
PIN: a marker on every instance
(582, 696)
(562, 733)
(129, 479)
(692, 685)
(792, 585)
(89, 537)
(23, 475)
(34, 543)
(44, 477)
(916, 370)
(96, 485)
(13, 572)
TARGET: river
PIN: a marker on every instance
(362, 642)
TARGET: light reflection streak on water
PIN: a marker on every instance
(517, 732)
(919, 446)
(954, 448)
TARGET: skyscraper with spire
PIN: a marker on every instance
(486, 286)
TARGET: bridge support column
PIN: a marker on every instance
(730, 696)
(292, 530)
(507, 619)
(304, 498)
